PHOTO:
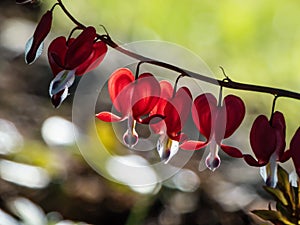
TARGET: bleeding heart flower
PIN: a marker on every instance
(133, 99)
(294, 150)
(72, 57)
(176, 109)
(267, 139)
(35, 44)
(216, 123)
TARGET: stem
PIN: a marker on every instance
(53, 7)
(70, 15)
(162, 64)
(71, 33)
(273, 109)
(226, 83)
(166, 66)
(176, 84)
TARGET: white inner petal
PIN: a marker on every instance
(167, 148)
(62, 80)
(38, 52)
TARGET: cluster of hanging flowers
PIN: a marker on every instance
(68, 57)
(145, 100)
(267, 139)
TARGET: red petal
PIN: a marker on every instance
(295, 148)
(56, 54)
(177, 111)
(285, 156)
(278, 123)
(120, 89)
(231, 115)
(40, 33)
(252, 162)
(262, 139)
(108, 117)
(98, 54)
(166, 91)
(145, 95)
(203, 112)
(193, 145)
(232, 151)
(80, 49)
(153, 119)
(181, 138)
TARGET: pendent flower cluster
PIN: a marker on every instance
(68, 57)
(142, 99)
(146, 99)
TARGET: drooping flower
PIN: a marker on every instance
(294, 151)
(176, 109)
(73, 57)
(133, 99)
(216, 122)
(267, 140)
(35, 44)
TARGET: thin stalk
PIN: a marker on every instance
(273, 109)
(226, 83)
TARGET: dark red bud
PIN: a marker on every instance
(40, 33)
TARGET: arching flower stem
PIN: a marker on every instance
(53, 7)
(176, 83)
(226, 83)
(273, 109)
(71, 33)
(160, 64)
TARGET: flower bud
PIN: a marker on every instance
(35, 44)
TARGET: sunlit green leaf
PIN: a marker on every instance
(284, 185)
(273, 216)
(277, 194)
(284, 210)
(283, 179)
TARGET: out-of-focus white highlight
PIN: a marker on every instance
(28, 212)
(25, 175)
(10, 34)
(57, 131)
(186, 180)
(233, 197)
(6, 219)
(134, 171)
(10, 138)
(293, 178)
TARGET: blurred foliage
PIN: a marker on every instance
(287, 202)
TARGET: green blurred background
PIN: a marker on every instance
(255, 41)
